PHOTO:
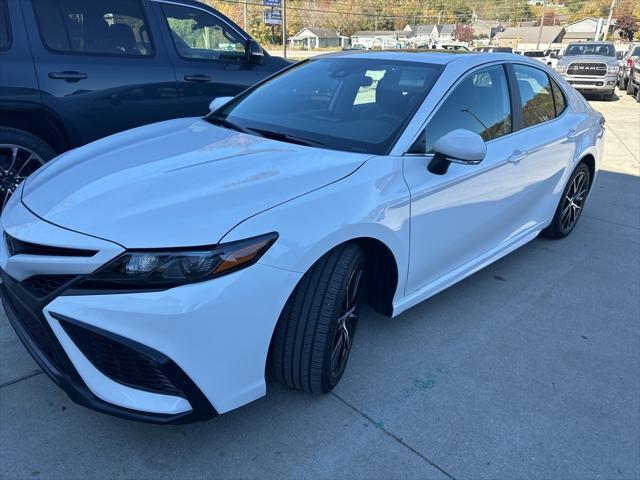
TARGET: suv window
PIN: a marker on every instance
(535, 94)
(199, 35)
(5, 36)
(111, 27)
(480, 104)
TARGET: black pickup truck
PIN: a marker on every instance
(72, 71)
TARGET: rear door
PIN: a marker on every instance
(546, 141)
(209, 55)
(100, 65)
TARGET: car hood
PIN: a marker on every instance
(178, 183)
(566, 60)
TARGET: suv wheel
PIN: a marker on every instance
(631, 88)
(21, 154)
(314, 335)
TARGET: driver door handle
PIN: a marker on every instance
(68, 76)
(198, 78)
(517, 156)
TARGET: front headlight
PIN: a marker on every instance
(613, 69)
(158, 270)
(561, 68)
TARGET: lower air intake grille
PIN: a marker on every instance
(42, 285)
(119, 362)
(40, 333)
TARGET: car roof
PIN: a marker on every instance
(430, 56)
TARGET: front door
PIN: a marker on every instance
(466, 212)
(209, 55)
(99, 66)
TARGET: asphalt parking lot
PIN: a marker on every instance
(528, 369)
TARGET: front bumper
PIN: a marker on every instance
(592, 84)
(174, 356)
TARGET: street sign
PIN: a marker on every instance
(272, 3)
(272, 16)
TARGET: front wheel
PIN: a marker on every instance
(20, 155)
(314, 334)
(571, 204)
(631, 88)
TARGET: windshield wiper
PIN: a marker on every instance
(285, 137)
(223, 122)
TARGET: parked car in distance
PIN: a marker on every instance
(535, 54)
(590, 67)
(494, 49)
(73, 71)
(633, 84)
(158, 273)
(630, 58)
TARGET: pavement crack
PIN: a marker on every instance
(394, 436)
(20, 379)
(610, 221)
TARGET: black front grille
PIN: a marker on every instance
(588, 69)
(42, 285)
(119, 362)
(20, 247)
(41, 333)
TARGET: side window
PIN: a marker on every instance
(536, 95)
(558, 98)
(5, 35)
(107, 27)
(480, 104)
(199, 35)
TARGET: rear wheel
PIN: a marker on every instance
(631, 88)
(20, 155)
(314, 334)
(571, 204)
(622, 83)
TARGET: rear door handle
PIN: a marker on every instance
(68, 76)
(197, 78)
(517, 156)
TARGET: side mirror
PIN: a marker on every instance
(458, 146)
(255, 53)
(219, 102)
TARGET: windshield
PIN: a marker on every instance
(341, 103)
(590, 49)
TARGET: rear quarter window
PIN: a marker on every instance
(5, 32)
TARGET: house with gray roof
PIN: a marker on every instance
(311, 38)
(526, 38)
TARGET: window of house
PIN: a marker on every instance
(107, 27)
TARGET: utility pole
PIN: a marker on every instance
(606, 30)
(284, 28)
(544, 8)
(244, 15)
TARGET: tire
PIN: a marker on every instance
(21, 153)
(309, 328)
(622, 84)
(575, 193)
(631, 88)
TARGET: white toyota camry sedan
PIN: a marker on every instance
(158, 273)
